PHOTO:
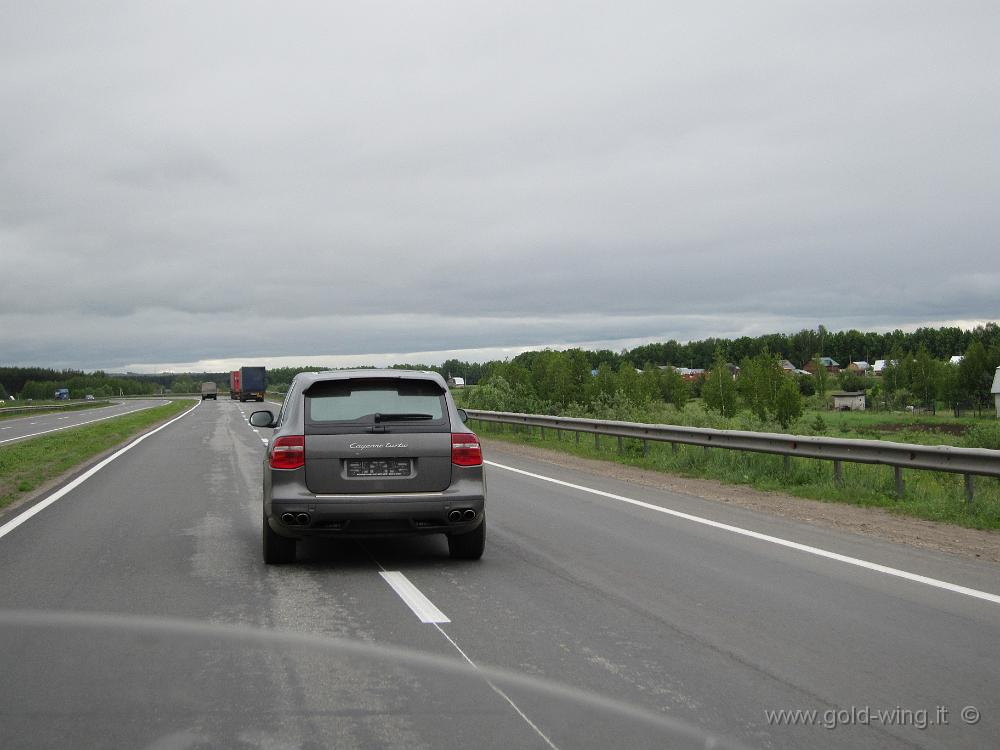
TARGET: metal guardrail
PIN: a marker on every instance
(78, 402)
(967, 461)
(18, 409)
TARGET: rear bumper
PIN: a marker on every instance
(374, 515)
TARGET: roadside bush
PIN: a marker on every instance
(983, 436)
(616, 407)
(497, 394)
(807, 386)
(852, 381)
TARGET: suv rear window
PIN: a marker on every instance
(370, 402)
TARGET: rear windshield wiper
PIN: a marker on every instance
(401, 417)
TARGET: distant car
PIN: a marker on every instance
(209, 390)
(89, 397)
(371, 453)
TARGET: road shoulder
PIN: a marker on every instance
(872, 522)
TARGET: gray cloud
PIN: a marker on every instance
(186, 183)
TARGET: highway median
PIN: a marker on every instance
(35, 464)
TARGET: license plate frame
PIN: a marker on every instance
(378, 468)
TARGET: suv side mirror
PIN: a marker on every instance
(463, 415)
(262, 419)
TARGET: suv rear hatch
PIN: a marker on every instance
(384, 435)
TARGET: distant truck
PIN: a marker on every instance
(253, 383)
(234, 384)
(209, 390)
(62, 394)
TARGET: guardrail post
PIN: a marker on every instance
(577, 434)
(838, 474)
(900, 487)
(787, 463)
(645, 448)
(621, 445)
(597, 440)
(673, 448)
(541, 433)
(970, 488)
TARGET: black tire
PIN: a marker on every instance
(468, 546)
(278, 550)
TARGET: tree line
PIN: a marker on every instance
(799, 348)
(920, 379)
(40, 383)
(563, 380)
(568, 383)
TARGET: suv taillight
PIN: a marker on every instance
(288, 452)
(465, 449)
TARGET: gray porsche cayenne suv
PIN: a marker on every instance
(366, 453)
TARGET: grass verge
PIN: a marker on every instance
(27, 465)
(934, 496)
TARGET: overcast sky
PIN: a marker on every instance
(193, 184)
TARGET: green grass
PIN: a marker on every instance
(28, 464)
(934, 496)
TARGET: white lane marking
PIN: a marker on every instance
(264, 441)
(984, 595)
(31, 423)
(76, 424)
(413, 597)
(7, 428)
(497, 690)
(386, 574)
(59, 494)
(62, 417)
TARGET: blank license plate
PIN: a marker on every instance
(378, 467)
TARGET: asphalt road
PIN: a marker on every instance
(144, 585)
(20, 428)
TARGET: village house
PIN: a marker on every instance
(826, 363)
(688, 373)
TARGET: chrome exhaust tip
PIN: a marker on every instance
(287, 518)
(469, 514)
(455, 515)
(302, 518)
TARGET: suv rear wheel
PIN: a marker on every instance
(277, 549)
(468, 546)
